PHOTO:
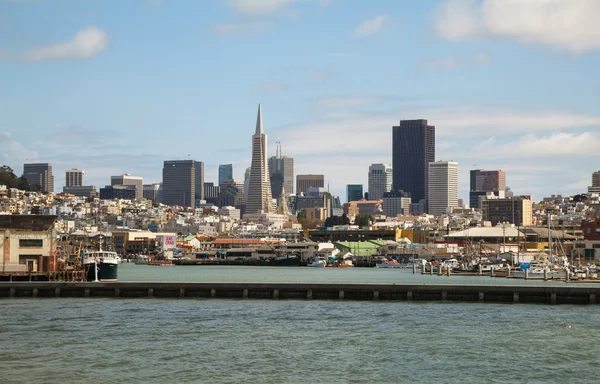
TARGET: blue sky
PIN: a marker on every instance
(120, 86)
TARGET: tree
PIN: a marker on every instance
(8, 178)
(363, 220)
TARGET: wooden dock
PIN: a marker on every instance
(279, 291)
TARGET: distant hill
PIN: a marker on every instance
(8, 178)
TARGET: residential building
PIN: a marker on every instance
(225, 172)
(442, 187)
(354, 192)
(482, 182)
(380, 180)
(304, 182)
(281, 171)
(259, 184)
(396, 203)
(39, 174)
(74, 177)
(127, 179)
(516, 210)
(413, 148)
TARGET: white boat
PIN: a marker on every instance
(318, 262)
(101, 265)
(141, 260)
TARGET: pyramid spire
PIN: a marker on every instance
(259, 124)
(282, 207)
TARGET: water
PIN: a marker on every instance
(268, 341)
(242, 274)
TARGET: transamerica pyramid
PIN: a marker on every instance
(259, 185)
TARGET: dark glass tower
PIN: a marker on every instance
(413, 148)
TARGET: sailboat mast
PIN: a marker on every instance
(549, 238)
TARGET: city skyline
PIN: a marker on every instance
(485, 88)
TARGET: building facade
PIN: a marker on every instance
(150, 191)
(225, 172)
(74, 177)
(304, 182)
(596, 179)
(87, 191)
(443, 187)
(354, 192)
(40, 174)
(413, 148)
(396, 203)
(516, 210)
(281, 171)
(179, 182)
(483, 181)
(380, 180)
(259, 183)
(110, 192)
(127, 179)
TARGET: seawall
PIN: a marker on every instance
(307, 291)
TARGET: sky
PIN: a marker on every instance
(116, 87)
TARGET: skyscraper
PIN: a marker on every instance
(259, 184)
(596, 179)
(354, 192)
(127, 179)
(225, 172)
(246, 182)
(303, 182)
(413, 148)
(483, 182)
(40, 174)
(180, 182)
(443, 186)
(281, 172)
(74, 178)
(380, 180)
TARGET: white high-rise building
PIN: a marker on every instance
(380, 180)
(74, 178)
(442, 187)
(259, 183)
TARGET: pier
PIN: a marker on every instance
(304, 291)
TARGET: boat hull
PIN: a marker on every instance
(281, 262)
(107, 272)
(318, 264)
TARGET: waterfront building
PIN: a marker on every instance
(281, 172)
(516, 210)
(27, 243)
(225, 172)
(396, 203)
(39, 174)
(87, 191)
(304, 182)
(74, 177)
(183, 182)
(380, 180)
(354, 192)
(442, 187)
(109, 192)
(259, 184)
(413, 148)
(127, 179)
(484, 181)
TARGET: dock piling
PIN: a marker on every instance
(245, 294)
(150, 292)
(444, 295)
(181, 292)
(276, 294)
(553, 298)
(34, 293)
(545, 275)
(86, 292)
(213, 292)
(481, 297)
(592, 298)
(515, 297)
(13, 292)
(409, 295)
(56, 292)
(376, 295)
(341, 294)
(117, 292)
(309, 294)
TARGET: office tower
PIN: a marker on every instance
(225, 172)
(303, 182)
(231, 194)
(380, 180)
(443, 187)
(596, 179)
(199, 180)
(127, 179)
(413, 148)
(179, 182)
(354, 192)
(211, 193)
(483, 182)
(281, 172)
(118, 191)
(259, 184)
(246, 182)
(74, 178)
(396, 203)
(39, 174)
(150, 191)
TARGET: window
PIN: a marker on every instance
(596, 246)
(31, 243)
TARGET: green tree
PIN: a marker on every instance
(363, 220)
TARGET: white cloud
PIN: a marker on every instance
(557, 144)
(371, 26)
(257, 7)
(482, 58)
(565, 24)
(14, 151)
(87, 43)
(241, 28)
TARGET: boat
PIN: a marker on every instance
(318, 262)
(101, 266)
(394, 264)
(141, 260)
(160, 263)
(280, 261)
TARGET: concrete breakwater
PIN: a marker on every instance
(307, 291)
